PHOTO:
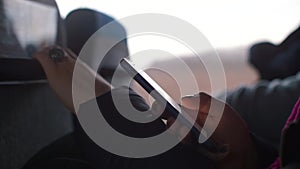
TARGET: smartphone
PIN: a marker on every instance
(146, 82)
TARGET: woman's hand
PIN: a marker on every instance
(60, 74)
(231, 131)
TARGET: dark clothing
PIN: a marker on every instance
(266, 154)
(277, 61)
(257, 103)
(78, 148)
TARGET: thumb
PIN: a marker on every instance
(199, 102)
(197, 105)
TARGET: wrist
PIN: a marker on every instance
(241, 157)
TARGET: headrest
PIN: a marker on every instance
(82, 23)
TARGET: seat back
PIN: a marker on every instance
(31, 116)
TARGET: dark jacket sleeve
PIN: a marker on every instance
(265, 153)
(264, 100)
(95, 154)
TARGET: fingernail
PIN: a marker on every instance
(189, 96)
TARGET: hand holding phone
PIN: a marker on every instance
(170, 105)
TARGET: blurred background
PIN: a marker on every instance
(231, 26)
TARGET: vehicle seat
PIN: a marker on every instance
(31, 115)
